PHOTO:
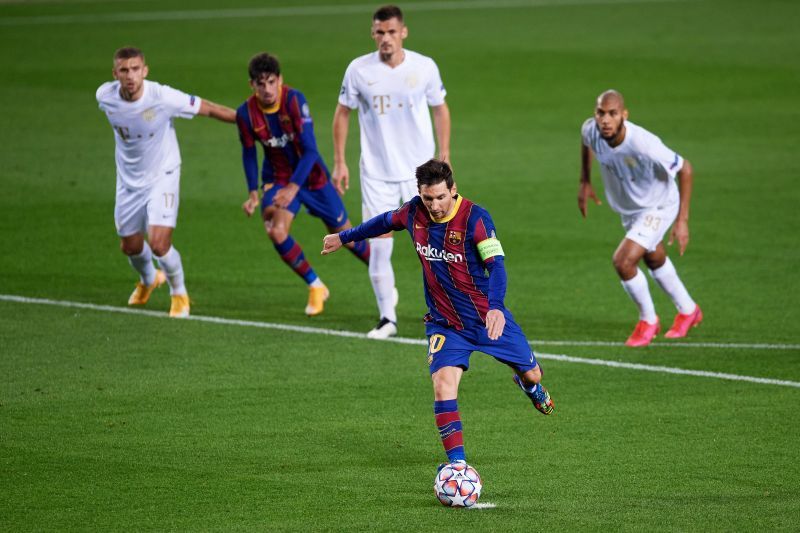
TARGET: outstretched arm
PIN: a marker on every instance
(585, 189)
(341, 124)
(680, 229)
(217, 111)
(373, 227)
(441, 123)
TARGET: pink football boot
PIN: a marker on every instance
(644, 333)
(683, 323)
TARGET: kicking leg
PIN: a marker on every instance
(530, 383)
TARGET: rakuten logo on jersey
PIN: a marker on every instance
(279, 142)
(434, 254)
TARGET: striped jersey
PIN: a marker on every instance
(287, 137)
(454, 254)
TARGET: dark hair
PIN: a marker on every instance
(388, 12)
(128, 52)
(434, 171)
(263, 63)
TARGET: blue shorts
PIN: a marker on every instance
(323, 203)
(452, 347)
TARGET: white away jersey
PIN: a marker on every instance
(639, 173)
(146, 143)
(396, 131)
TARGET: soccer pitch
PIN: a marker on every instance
(253, 417)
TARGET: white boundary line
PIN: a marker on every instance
(397, 340)
(725, 345)
(300, 11)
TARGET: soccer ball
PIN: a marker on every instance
(457, 485)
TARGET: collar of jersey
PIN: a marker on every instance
(449, 217)
(271, 109)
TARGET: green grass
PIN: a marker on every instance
(120, 422)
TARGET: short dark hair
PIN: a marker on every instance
(434, 171)
(263, 63)
(128, 52)
(388, 12)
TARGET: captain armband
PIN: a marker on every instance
(489, 248)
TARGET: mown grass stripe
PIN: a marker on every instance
(397, 340)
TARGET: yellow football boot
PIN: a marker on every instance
(180, 306)
(316, 300)
(142, 292)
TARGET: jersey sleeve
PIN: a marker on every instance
(587, 130)
(434, 90)
(243, 126)
(379, 225)
(249, 152)
(498, 282)
(348, 94)
(485, 238)
(102, 95)
(667, 162)
(304, 127)
(179, 103)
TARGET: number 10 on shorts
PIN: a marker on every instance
(435, 343)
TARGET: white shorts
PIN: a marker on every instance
(378, 196)
(156, 205)
(647, 228)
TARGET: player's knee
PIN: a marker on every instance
(277, 233)
(160, 247)
(655, 260)
(130, 247)
(624, 265)
(532, 376)
(444, 386)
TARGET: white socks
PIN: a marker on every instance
(637, 289)
(382, 276)
(667, 278)
(143, 264)
(171, 264)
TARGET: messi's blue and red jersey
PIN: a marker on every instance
(458, 290)
(287, 136)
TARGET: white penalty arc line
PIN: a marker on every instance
(397, 340)
(300, 11)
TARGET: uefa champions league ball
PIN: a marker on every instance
(457, 485)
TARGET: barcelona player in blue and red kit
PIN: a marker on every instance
(293, 173)
(465, 285)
